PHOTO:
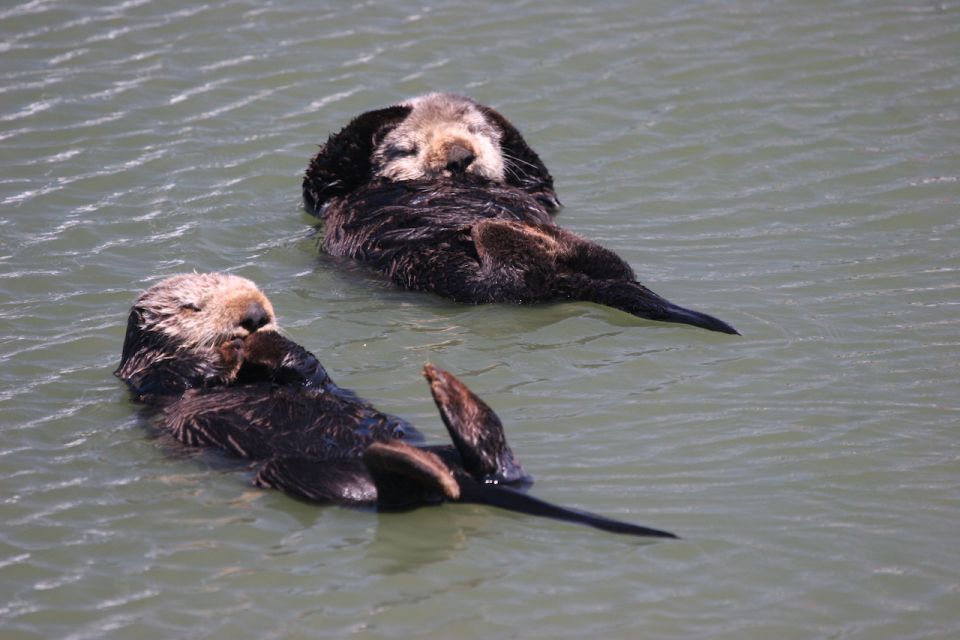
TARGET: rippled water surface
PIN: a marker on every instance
(793, 168)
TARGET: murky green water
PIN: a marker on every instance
(793, 168)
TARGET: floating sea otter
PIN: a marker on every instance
(204, 348)
(443, 194)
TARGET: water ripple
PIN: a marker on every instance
(792, 171)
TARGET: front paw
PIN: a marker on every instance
(263, 355)
(264, 348)
(231, 357)
(270, 357)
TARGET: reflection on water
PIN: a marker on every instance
(791, 169)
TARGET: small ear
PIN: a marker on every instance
(343, 163)
(525, 169)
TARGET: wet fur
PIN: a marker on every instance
(249, 392)
(393, 191)
(184, 333)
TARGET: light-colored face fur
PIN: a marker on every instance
(203, 310)
(439, 126)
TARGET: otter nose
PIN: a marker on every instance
(459, 158)
(254, 317)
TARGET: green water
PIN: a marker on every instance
(792, 168)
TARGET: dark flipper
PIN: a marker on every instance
(326, 481)
(513, 500)
(407, 477)
(479, 438)
(521, 261)
(475, 429)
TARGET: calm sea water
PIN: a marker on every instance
(793, 168)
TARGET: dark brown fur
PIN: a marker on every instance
(256, 395)
(473, 235)
(186, 332)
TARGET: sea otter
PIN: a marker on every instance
(443, 194)
(204, 349)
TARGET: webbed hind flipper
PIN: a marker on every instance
(479, 438)
(406, 476)
(475, 429)
(526, 259)
(509, 244)
(340, 481)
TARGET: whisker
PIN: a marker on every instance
(511, 170)
(515, 159)
(510, 166)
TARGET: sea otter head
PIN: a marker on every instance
(192, 327)
(442, 136)
(203, 310)
(434, 136)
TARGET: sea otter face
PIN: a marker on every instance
(434, 137)
(199, 311)
(442, 136)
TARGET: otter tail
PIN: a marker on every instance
(636, 299)
(673, 313)
(513, 500)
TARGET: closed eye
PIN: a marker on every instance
(400, 152)
(190, 306)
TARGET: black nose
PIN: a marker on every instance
(459, 158)
(254, 317)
